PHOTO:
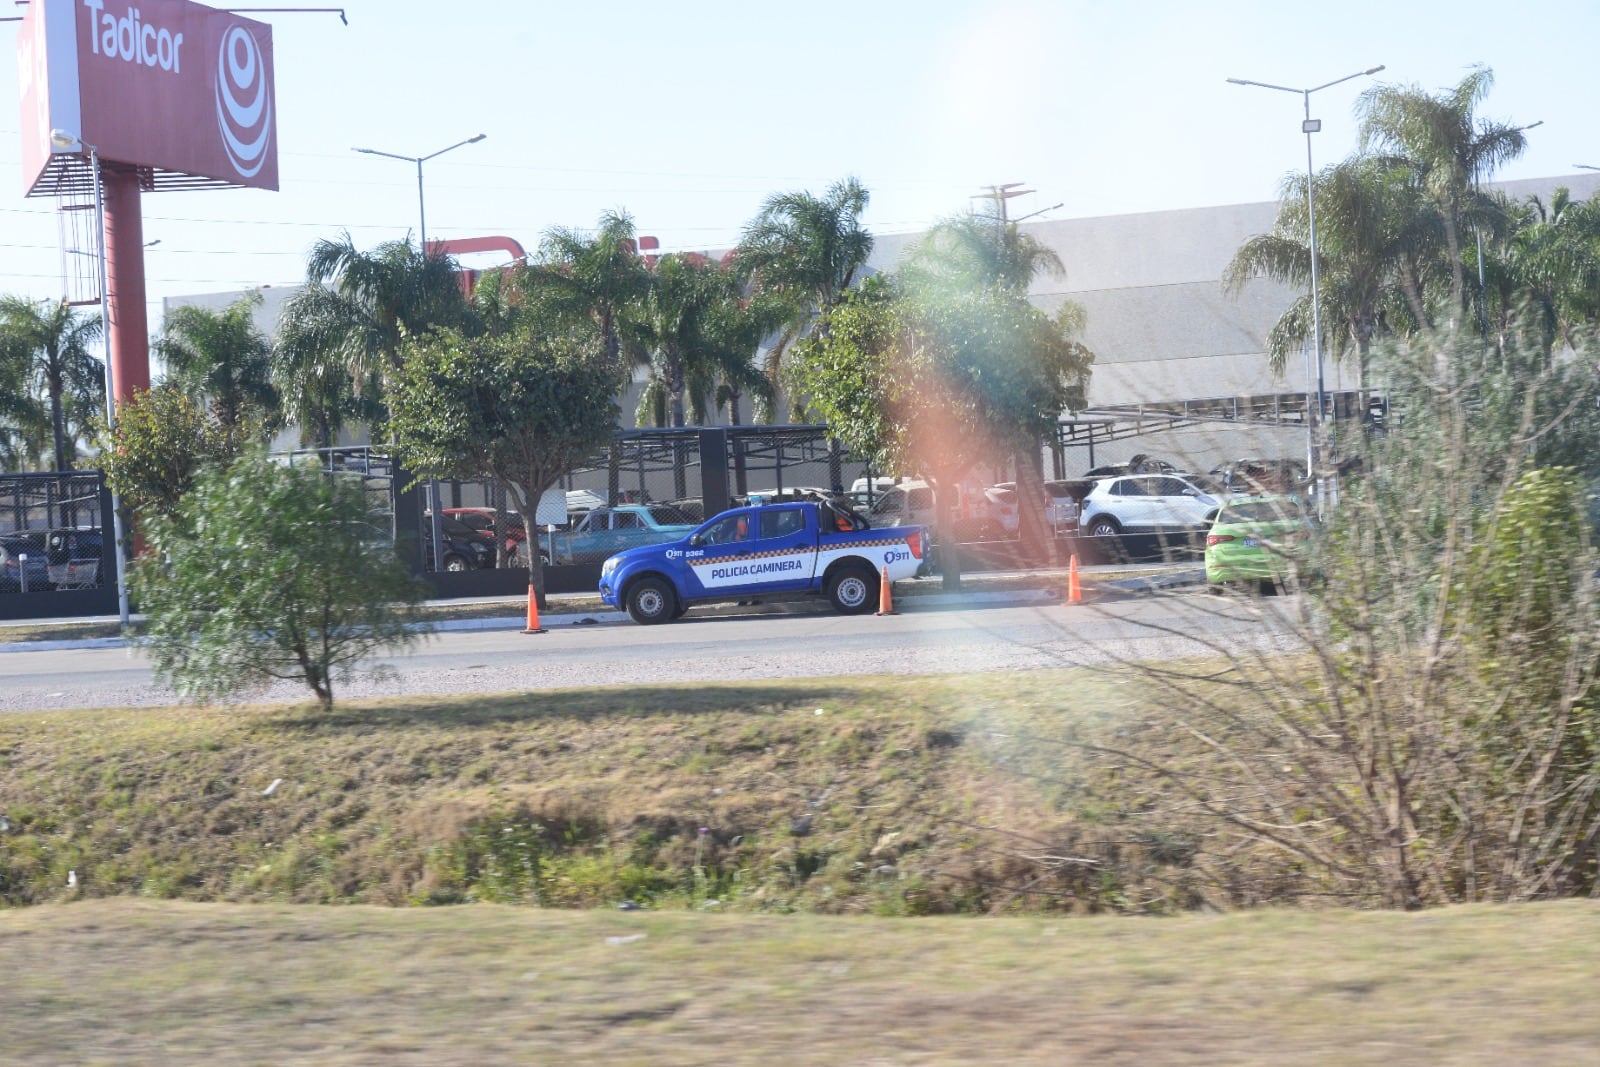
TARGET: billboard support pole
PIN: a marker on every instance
(124, 241)
(112, 380)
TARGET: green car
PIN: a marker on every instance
(1254, 539)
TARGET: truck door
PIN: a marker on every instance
(754, 551)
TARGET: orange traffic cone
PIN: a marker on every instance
(1074, 590)
(533, 613)
(885, 597)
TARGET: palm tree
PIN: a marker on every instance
(49, 345)
(987, 257)
(1375, 248)
(806, 251)
(675, 322)
(220, 357)
(1446, 149)
(598, 276)
(24, 421)
(339, 338)
(982, 251)
(735, 329)
(317, 388)
(1545, 261)
(384, 295)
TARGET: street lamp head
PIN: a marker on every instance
(475, 140)
(1374, 70)
(64, 140)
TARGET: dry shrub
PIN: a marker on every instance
(1435, 734)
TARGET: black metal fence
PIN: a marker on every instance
(56, 546)
(701, 470)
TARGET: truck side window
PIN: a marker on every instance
(783, 523)
(734, 528)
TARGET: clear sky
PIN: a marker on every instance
(689, 113)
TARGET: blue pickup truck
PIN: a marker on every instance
(795, 547)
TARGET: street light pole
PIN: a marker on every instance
(422, 211)
(436, 520)
(1310, 126)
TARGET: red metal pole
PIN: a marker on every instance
(129, 326)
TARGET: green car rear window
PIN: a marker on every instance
(1261, 511)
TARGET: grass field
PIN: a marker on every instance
(130, 982)
(771, 842)
(846, 794)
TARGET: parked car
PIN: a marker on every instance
(1139, 464)
(1151, 503)
(1262, 477)
(464, 548)
(911, 502)
(1065, 503)
(1255, 539)
(1060, 502)
(482, 520)
(72, 557)
(800, 492)
(604, 532)
(18, 575)
(1003, 508)
(692, 508)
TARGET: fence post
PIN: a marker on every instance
(714, 470)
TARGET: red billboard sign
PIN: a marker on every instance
(169, 85)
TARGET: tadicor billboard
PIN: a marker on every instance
(169, 85)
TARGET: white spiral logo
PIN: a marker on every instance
(244, 102)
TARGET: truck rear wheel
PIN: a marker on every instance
(851, 590)
(650, 600)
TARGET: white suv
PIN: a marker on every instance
(1151, 503)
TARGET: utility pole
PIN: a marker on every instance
(1000, 194)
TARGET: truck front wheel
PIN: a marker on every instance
(650, 600)
(851, 590)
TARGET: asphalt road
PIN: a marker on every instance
(920, 640)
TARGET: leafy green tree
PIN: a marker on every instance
(941, 379)
(272, 572)
(49, 343)
(806, 251)
(162, 444)
(521, 408)
(221, 358)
